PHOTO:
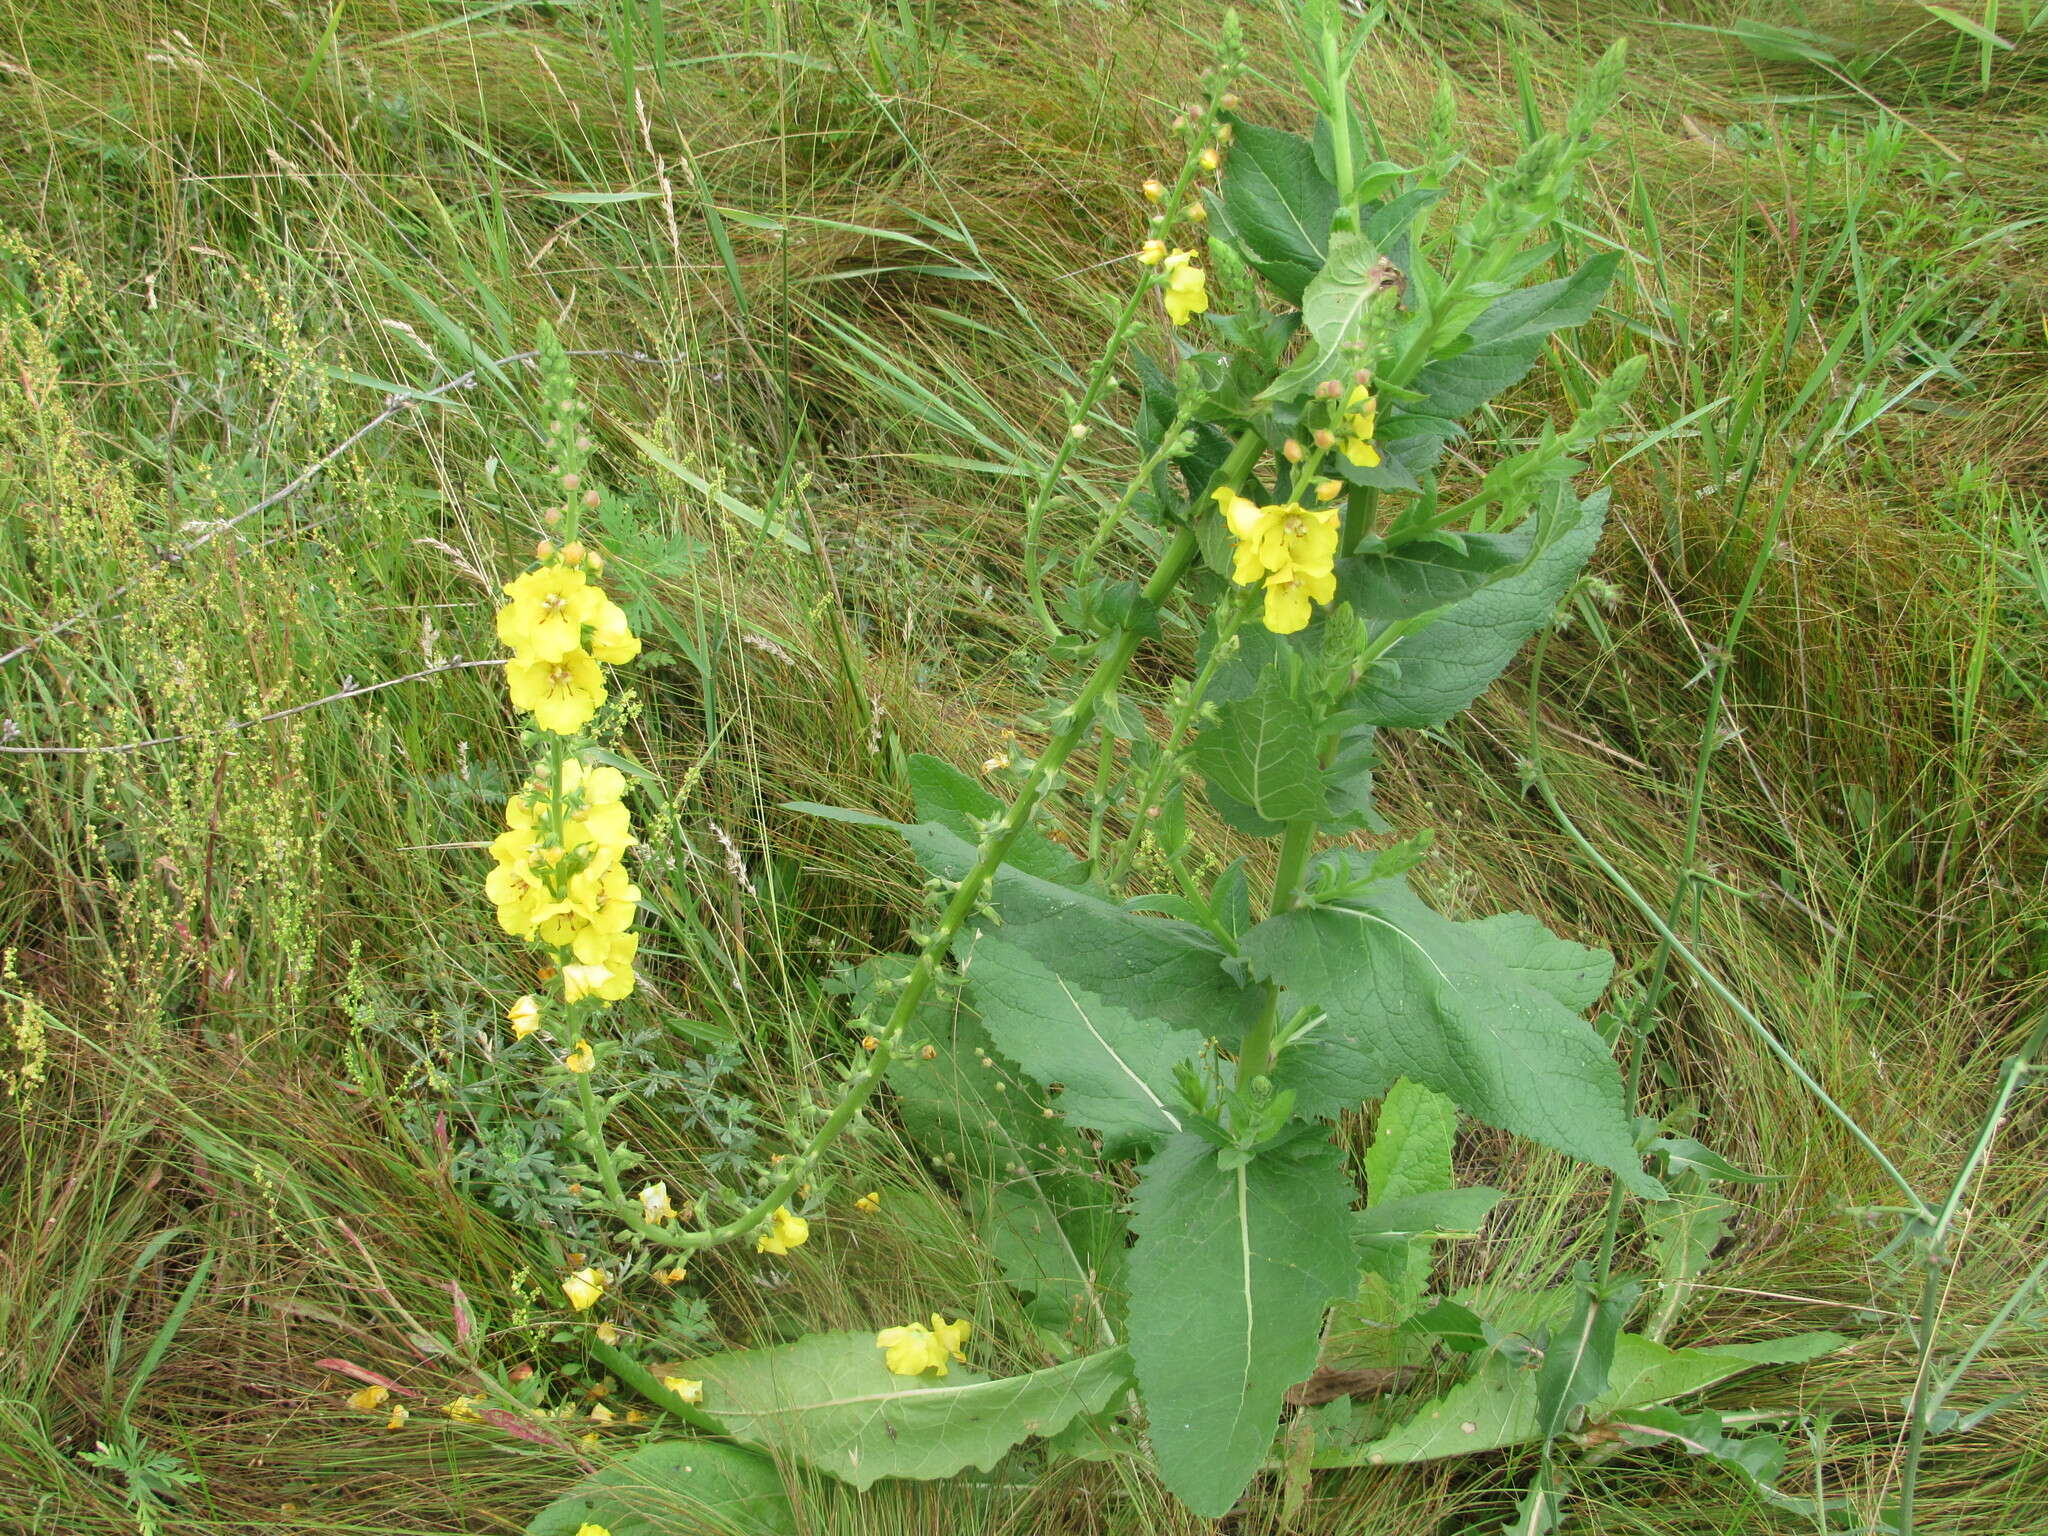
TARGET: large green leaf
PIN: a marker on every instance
(1259, 757)
(1229, 1281)
(1353, 282)
(1278, 205)
(1503, 343)
(1497, 1405)
(1438, 669)
(829, 1401)
(1574, 974)
(1408, 993)
(674, 1486)
(1114, 1068)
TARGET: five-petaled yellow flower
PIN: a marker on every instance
(591, 1528)
(364, 1399)
(914, 1349)
(581, 1057)
(584, 1288)
(525, 1016)
(688, 1390)
(784, 1232)
(1290, 548)
(1187, 293)
(561, 693)
(549, 607)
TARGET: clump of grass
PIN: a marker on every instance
(868, 245)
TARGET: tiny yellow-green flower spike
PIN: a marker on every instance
(584, 1288)
(1360, 421)
(948, 1337)
(1187, 293)
(581, 1057)
(784, 1233)
(367, 1399)
(549, 607)
(525, 1016)
(870, 1203)
(655, 1205)
(683, 1387)
(561, 694)
(910, 1350)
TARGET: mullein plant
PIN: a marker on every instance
(1130, 1067)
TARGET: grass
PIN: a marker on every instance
(248, 970)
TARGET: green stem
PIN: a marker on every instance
(1255, 1056)
(1079, 719)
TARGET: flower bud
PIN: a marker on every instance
(573, 552)
(1078, 431)
(596, 563)
(1325, 439)
(1329, 490)
(591, 499)
(1291, 451)
(552, 516)
(571, 480)
(1225, 133)
(1152, 252)
(1362, 378)
(1209, 159)
(1195, 213)
(1230, 101)
(544, 550)
(1155, 191)
(1329, 389)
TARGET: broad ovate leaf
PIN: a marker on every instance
(829, 1401)
(1230, 1278)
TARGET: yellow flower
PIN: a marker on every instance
(950, 1336)
(674, 1276)
(1187, 294)
(525, 1016)
(870, 1203)
(549, 607)
(1291, 597)
(367, 1399)
(583, 1288)
(561, 694)
(589, 1442)
(612, 640)
(607, 1333)
(683, 1387)
(399, 1414)
(581, 1057)
(463, 1410)
(654, 1203)
(1358, 425)
(910, 1350)
(591, 1528)
(1152, 252)
(914, 1349)
(1289, 543)
(1154, 190)
(784, 1232)
(599, 1414)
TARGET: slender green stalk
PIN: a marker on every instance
(1078, 720)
